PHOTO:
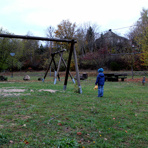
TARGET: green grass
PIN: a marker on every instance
(44, 119)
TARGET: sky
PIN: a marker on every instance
(35, 16)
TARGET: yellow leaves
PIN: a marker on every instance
(26, 142)
(142, 40)
(144, 58)
(65, 30)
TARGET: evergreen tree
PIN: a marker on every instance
(90, 39)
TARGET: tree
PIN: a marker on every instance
(139, 36)
(144, 44)
(16, 47)
(65, 30)
(5, 49)
(86, 34)
(81, 42)
(90, 39)
(29, 48)
(50, 33)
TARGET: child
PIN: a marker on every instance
(143, 81)
(100, 82)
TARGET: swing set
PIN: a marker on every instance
(55, 67)
(72, 51)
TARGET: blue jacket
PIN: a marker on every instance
(100, 79)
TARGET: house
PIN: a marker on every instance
(112, 42)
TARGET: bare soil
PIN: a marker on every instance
(17, 92)
(136, 80)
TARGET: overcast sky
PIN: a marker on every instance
(21, 16)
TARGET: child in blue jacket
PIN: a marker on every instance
(100, 82)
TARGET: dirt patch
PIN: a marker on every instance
(12, 94)
(7, 82)
(22, 117)
(11, 90)
(136, 80)
(48, 90)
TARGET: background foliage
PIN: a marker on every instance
(111, 53)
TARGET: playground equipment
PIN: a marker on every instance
(72, 51)
(55, 67)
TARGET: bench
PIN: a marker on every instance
(122, 77)
(110, 77)
(115, 77)
(82, 77)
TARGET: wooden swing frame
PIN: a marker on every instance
(72, 51)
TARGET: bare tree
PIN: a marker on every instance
(50, 33)
(82, 31)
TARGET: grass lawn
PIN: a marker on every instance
(34, 118)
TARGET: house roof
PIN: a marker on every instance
(110, 38)
(110, 34)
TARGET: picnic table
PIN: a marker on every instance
(115, 76)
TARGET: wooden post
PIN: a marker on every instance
(50, 56)
(68, 65)
(77, 71)
(55, 67)
(47, 70)
(55, 80)
(69, 71)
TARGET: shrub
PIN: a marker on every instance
(114, 66)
